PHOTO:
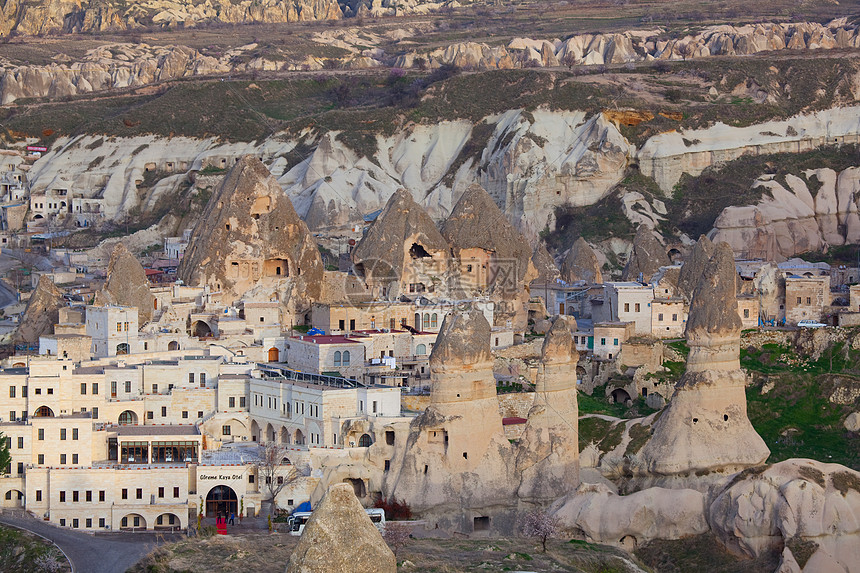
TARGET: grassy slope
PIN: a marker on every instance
(795, 418)
(20, 552)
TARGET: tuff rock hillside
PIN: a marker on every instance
(45, 16)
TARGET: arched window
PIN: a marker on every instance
(122, 349)
(434, 320)
(364, 441)
(426, 324)
(346, 357)
(421, 349)
(417, 321)
(43, 412)
(337, 358)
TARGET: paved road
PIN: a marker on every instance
(113, 553)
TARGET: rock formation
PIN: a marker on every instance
(544, 265)
(41, 314)
(705, 425)
(629, 520)
(45, 16)
(493, 256)
(789, 219)
(548, 456)
(126, 284)
(456, 463)
(339, 536)
(581, 264)
(647, 257)
(694, 266)
(250, 237)
(403, 247)
(809, 509)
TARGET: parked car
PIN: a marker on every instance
(810, 324)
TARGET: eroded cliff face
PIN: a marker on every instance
(32, 18)
(811, 211)
(249, 243)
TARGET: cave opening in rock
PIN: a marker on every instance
(416, 251)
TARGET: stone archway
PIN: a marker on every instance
(132, 522)
(168, 521)
(221, 499)
(173, 345)
(620, 396)
(201, 329)
(127, 418)
(13, 498)
(43, 412)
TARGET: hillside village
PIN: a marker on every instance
(139, 397)
(429, 286)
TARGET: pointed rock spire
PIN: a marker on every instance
(694, 266)
(647, 257)
(126, 284)
(250, 235)
(339, 536)
(42, 312)
(581, 264)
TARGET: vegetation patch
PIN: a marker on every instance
(639, 436)
(812, 474)
(702, 552)
(21, 552)
(802, 549)
(844, 481)
(603, 220)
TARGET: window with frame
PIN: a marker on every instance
(191, 378)
(62, 433)
(139, 493)
(62, 459)
(101, 495)
(95, 388)
(74, 433)
(41, 459)
(74, 459)
(83, 388)
(89, 495)
(231, 402)
(75, 495)
(62, 497)
(11, 391)
(41, 433)
(128, 386)
(175, 491)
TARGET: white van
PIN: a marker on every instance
(297, 521)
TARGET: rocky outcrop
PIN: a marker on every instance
(548, 456)
(544, 265)
(655, 513)
(323, 546)
(812, 509)
(456, 462)
(647, 257)
(811, 212)
(667, 156)
(41, 314)
(693, 268)
(705, 426)
(493, 256)
(249, 242)
(581, 264)
(402, 247)
(32, 18)
(477, 224)
(127, 285)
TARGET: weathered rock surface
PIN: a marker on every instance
(693, 268)
(31, 18)
(705, 426)
(41, 314)
(581, 264)
(457, 461)
(478, 231)
(544, 265)
(402, 247)
(790, 219)
(647, 257)
(852, 422)
(789, 503)
(250, 237)
(127, 285)
(654, 513)
(548, 456)
(339, 536)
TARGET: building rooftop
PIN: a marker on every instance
(325, 339)
(166, 430)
